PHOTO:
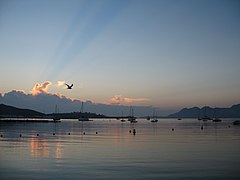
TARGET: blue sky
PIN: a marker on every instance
(169, 54)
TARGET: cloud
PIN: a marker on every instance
(41, 88)
(129, 100)
(46, 102)
(40, 99)
(118, 100)
(61, 83)
(21, 91)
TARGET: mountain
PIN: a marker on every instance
(10, 111)
(195, 112)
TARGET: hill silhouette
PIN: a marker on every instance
(10, 111)
(195, 112)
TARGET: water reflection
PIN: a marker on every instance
(58, 150)
(39, 148)
(43, 148)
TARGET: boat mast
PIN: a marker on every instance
(56, 109)
(81, 110)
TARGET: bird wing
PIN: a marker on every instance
(71, 85)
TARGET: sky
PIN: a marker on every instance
(168, 54)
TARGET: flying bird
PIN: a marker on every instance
(68, 86)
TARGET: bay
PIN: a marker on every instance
(105, 149)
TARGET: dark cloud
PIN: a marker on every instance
(45, 102)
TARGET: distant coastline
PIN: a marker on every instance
(194, 112)
(13, 112)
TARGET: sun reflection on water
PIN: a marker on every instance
(44, 148)
(39, 148)
(59, 150)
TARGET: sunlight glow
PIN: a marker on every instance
(41, 88)
(119, 100)
(61, 83)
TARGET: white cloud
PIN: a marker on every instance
(61, 83)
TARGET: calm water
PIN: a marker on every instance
(155, 152)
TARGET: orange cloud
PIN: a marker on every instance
(118, 99)
(129, 100)
(21, 91)
(41, 88)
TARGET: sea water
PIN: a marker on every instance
(108, 149)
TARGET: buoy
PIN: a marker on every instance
(84, 133)
(134, 131)
(37, 134)
(201, 127)
(172, 129)
(53, 134)
(130, 131)
(68, 133)
(20, 135)
(1, 135)
(229, 126)
(96, 132)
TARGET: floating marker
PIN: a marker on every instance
(53, 134)
(134, 131)
(1, 135)
(130, 131)
(96, 132)
(68, 133)
(20, 135)
(84, 133)
(172, 129)
(201, 127)
(37, 134)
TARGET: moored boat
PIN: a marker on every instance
(154, 119)
(215, 118)
(82, 117)
(206, 118)
(237, 122)
(122, 120)
(131, 117)
(56, 117)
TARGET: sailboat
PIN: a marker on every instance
(237, 122)
(154, 117)
(179, 114)
(56, 118)
(122, 120)
(215, 119)
(205, 117)
(131, 117)
(199, 115)
(82, 117)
